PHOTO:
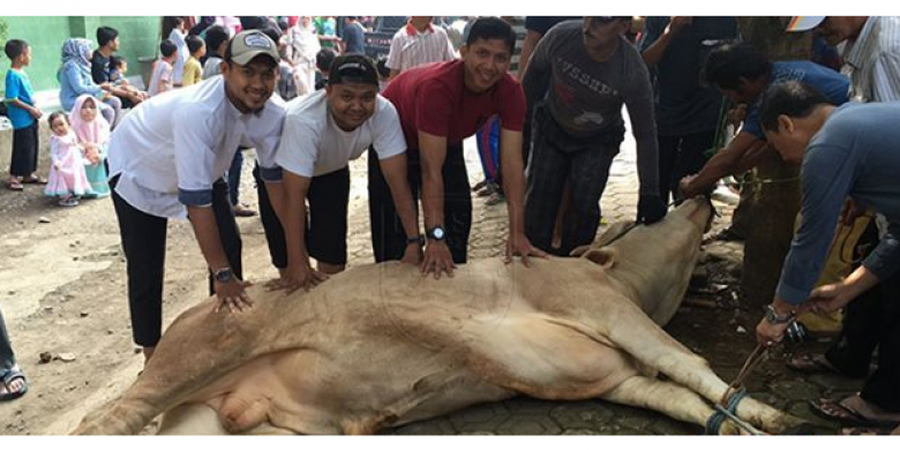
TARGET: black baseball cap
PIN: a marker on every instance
(353, 68)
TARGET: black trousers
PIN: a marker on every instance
(25, 143)
(144, 242)
(872, 320)
(680, 156)
(388, 236)
(326, 219)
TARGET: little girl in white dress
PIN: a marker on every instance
(68, 179)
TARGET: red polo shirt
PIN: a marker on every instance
(433, 98)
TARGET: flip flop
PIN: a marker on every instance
(34, 180)
(834, 410)
(14, 186)
(10, 376)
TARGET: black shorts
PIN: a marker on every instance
(326, 228)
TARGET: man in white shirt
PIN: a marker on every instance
(167, 159)
(323, 132)
(419, 42)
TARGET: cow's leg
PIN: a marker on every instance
(631, 330)
(671, 399)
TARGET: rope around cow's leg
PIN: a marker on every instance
(715, 421)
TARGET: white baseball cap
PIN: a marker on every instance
(804, 23)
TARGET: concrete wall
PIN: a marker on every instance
(138, 37)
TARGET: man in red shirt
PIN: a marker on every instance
(440, 105)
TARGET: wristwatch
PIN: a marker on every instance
(418, 239)
(224, 275)
(773, 317)
(437, 233)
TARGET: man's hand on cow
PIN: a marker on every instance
(438, 259)
(413, 254)
(296, 276)
(519, 245)
(651, 209)
(688, 187)
(232, 295)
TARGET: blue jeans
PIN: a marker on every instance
(7, 357)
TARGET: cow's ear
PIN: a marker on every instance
(604, 257)
(580, 250)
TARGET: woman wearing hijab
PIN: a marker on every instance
(92, 131)
(303, 45)
(75, 80)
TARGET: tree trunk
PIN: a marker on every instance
(776, 204)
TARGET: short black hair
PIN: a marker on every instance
(167, 48)
(325, 59)
(728, 63)
(492, 28)
(381, 66)
(284, 24)
(14, 48)
(273, 33)
(56, 114)
(194, 43)
(116, 61)
(215, 36)
(790, 98)
(106, 35)
(353, 68)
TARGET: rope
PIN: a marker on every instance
(763, 181)
(727, 406)
(728, 411)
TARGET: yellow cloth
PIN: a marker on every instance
(193, 72)
(837, 266)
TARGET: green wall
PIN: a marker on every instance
(138, 37)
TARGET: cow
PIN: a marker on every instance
(380, 345)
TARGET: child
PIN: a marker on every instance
(67, 177)
(193, 71)
(163, 72)
(324, 60)
(216, 42)
(287, 86)
(93, 136)
(23, 114)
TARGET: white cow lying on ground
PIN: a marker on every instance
(380, 345)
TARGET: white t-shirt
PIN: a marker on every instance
(313, 144)
(177, 37)
(162, 72)
(171, 149)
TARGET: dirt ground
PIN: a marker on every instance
(63, 294)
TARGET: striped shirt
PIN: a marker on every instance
(873, 61)
(410, 48)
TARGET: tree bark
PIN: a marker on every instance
(775, 204)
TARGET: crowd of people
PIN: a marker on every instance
(309, 102)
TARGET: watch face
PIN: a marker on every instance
(438, 233)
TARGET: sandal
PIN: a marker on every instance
(15, 186)
(11, 375)
(811, 364)
(837, 411)
(34, 180)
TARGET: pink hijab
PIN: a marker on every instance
(95, 131)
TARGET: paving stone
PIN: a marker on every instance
(835, 382)
(795, 389)
(581, 414)
(529, 425)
